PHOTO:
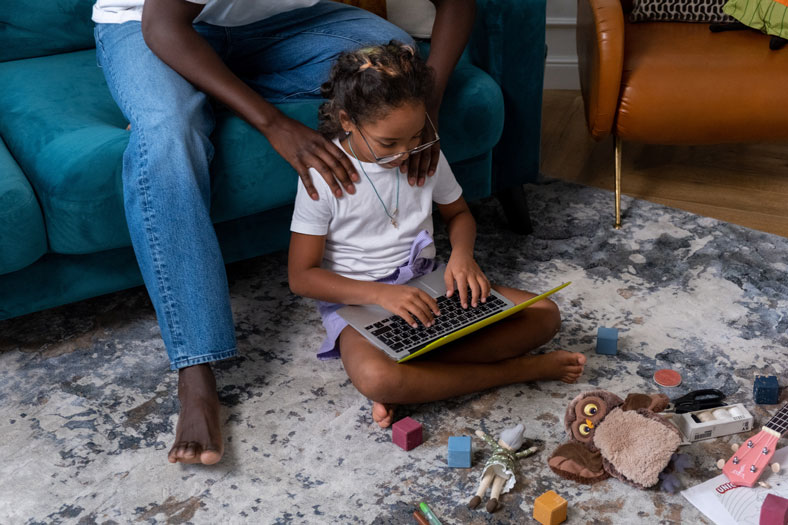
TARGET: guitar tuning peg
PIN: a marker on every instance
(734, 446)
(720, 463)
(764, 485)
(775, 467)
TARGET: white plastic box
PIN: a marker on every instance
(726, 420)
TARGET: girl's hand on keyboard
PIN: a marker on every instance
(410, 303)
(463, 270)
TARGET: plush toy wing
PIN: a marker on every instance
(636, 445)
(653, 402)
(576, 462)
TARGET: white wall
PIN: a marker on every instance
(561, 68)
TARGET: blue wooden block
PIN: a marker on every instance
(766, 390)
(607, 341)
(460, 451)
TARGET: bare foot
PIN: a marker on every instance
(382, 414)
(559, 364)
(198, 436)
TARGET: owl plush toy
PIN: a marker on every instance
(614, 437)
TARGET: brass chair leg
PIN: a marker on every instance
(618, 183)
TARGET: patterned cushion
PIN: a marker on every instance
(679, 11)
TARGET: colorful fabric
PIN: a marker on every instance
(767, 16)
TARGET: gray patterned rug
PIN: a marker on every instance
(87, 406)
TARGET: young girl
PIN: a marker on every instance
(362, 248)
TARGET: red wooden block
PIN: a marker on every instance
(774, 510)
(406, 433)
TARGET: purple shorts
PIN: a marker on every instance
(415, 267)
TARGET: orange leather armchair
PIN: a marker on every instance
(676, 83)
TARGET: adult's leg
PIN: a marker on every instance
(166, 187)
(287, 57)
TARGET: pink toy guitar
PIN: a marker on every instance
(751, 459)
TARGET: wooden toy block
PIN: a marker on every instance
(607, 341)
(550, 508)
(460, 451)
(406, 433)
(766, 390)
(774, 510)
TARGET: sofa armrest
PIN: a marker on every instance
(508, 42)
(600, 53)
(22, 234)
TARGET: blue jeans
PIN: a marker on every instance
(166, 177)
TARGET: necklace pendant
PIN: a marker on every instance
(394, 223)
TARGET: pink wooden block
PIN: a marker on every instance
(406, 433)
(774, 510)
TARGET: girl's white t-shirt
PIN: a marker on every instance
(226, 13)
(361, 242)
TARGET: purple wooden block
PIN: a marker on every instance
(406, 433)
(774, 510)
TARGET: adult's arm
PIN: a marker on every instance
(168, 32)
(450, 33)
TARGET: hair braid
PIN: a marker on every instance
(368, 82)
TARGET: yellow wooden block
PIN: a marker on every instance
(550, 508)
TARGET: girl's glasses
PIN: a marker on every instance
(387, 159)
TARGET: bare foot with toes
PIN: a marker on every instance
(198, 436)
(558, 364)
(382, 414)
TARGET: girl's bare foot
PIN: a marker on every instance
(198, 436)
(559, 364)
(382, 414)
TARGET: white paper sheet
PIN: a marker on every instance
(727, 505)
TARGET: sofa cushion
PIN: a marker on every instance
(62, 126)
(721, 87)
(22, 236)
(472, 113)
(67, 134)
(34, 28)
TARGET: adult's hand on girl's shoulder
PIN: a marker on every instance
(408, 302)
(463, 270)
(304, 148)
(423, 164)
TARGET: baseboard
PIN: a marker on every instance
(561, 73)
(561, 70)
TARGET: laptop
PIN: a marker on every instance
(402, 342)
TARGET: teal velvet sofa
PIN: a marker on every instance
(63, 235)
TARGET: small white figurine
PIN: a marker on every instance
(501, 467)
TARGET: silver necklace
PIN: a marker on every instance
(393, 215)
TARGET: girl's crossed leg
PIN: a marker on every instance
(494, 356)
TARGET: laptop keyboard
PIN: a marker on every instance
(404, 339)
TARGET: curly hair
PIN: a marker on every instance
(368, 82)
